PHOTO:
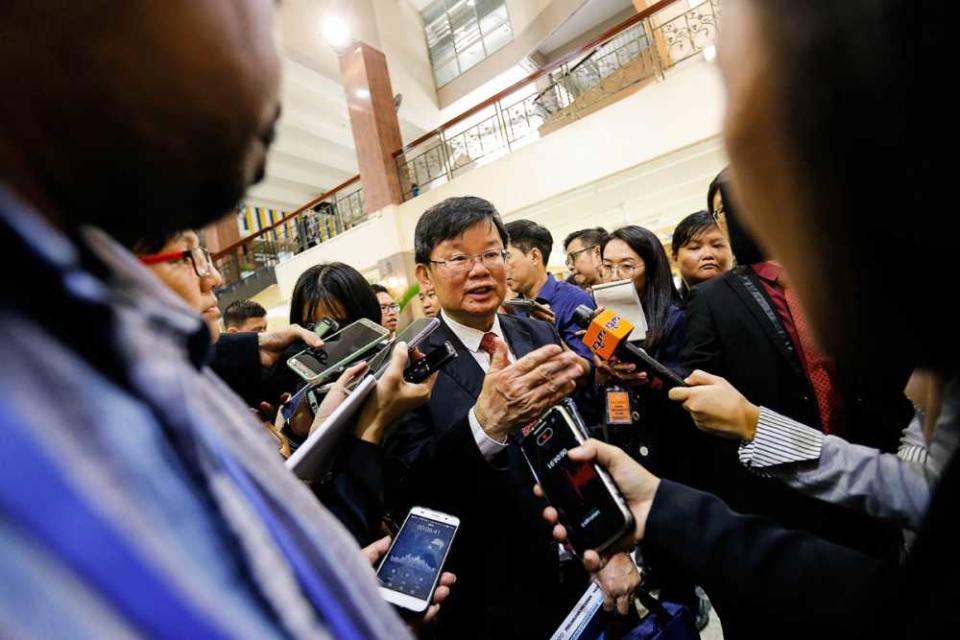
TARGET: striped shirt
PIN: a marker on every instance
(105, 368)
(884, 485)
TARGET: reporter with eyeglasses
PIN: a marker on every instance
(389, 308)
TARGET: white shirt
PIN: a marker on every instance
(471, 338)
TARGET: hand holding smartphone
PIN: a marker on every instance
(410, 571)
(589, 504)
(422, 366)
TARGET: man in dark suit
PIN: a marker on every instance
(455, 448)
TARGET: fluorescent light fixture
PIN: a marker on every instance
(336, 32)
(710, 53)
(363, 94)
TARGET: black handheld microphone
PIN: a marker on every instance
(607, 335)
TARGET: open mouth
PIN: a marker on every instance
(481, 292)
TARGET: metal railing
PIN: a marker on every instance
(315, 222)
(638, 50)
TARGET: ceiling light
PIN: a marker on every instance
(709, 53)
(363, 94)
(336, 32)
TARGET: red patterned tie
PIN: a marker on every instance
(820, 369)
(489, 343)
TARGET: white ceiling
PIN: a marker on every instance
(314, 150)
(592, 13)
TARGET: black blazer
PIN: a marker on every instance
(767, 582)
(236, 359)
(509, 583)
(733, 331)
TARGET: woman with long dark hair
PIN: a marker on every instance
(330, 290)
(634, 253)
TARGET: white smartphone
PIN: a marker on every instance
(410, 571)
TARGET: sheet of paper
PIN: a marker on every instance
(621, 296)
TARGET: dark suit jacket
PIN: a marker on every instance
(236, 359)
(732, 333)
(509, 583)
(767, 582)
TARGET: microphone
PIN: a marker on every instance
(606, 337)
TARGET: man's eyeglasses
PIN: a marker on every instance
(461, 264)
(573, 255)
(393, 306)
(200, 257)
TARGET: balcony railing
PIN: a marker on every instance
(317, 221)
(639, 49)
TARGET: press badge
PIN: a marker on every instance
(618, 407)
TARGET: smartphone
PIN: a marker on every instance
(339, 350)
(588, 502)
(410, 571)
(325, 327)
(525, 304)
(413, 334)
(422, 367)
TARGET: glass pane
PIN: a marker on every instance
(446, 72)
(485, 7)
(442, 52)
(493, 19)
(471, 56)
(433, 11)
(437, 30)
(463, 21)
(497, 38)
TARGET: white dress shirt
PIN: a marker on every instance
(471, 338)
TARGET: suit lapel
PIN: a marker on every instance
(517, 335)
(464, 371)
(751, 292)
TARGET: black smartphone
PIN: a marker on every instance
(325, 326)
(588, 502)
(526, 305)
(413, 334)
(422, 366)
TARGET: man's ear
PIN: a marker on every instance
(423, 276)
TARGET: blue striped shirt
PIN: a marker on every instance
(135, 445)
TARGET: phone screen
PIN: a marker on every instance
(340, 348)
(416, 557)
(587, 507)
